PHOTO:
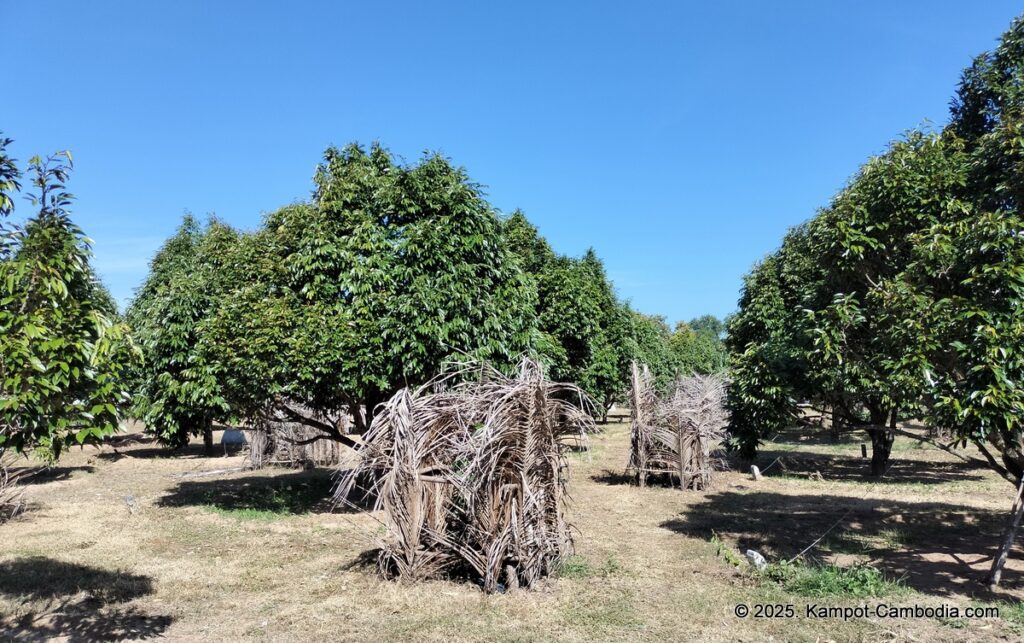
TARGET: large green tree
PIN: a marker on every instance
(390, 271)
(584, 332)
(177, 394)
(62, 349)
(908, 283)
(697, 346)
(866, 239)
(765, 359)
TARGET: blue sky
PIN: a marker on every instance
(679, 139)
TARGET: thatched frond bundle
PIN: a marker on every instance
(274, 440)
(645, 455)
(12, 500)
(470, 471)
(677, 435)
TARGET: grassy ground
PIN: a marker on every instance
(258, 555)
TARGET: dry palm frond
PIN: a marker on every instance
(275, 440)
(11, 493)
(677, 435)
(470, 469)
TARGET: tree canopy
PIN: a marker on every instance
(62, 349)
(387, 273)
(177, 393)
(903, 297)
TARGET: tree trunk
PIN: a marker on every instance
(996, 573)
(208, 438)
(828, 414)
(881, 441)
(684, 462)
(372, 399)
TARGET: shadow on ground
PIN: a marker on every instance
(42, 475)
(621, 478)
(75, 601)
(190, 451)
(289, 494)
(936, 548)
(857, 469)
(609, 477)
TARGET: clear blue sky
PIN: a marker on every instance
(679, 139)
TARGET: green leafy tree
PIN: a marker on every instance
(708, 325)
(389, 272)
(866, 239)
(177, 393)
(62, 351)
(651, 336)
(764, 357)
(697, 347)
(584, 333)
(837, 339)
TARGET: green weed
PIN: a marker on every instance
(725, 552)
(817, 581)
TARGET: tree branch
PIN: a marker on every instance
(998, 468)
(938, 445)
(330, 432)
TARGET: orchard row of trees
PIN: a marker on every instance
(388, 272)
(904, 298)
(385, 274)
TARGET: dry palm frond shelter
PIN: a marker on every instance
(676, 435)
(11, 493)
(274, 440)
(469, 473)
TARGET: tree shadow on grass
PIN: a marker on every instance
(302, 492)
(856, 469)
(663, 480)
(75, 601)
(158, 451)
(614, 478)
(42, 475)
(936, 548)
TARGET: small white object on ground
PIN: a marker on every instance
(756, 559)
(755, 473)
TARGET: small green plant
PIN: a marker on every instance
(268, 502)
(1012, 613)
(610, 567)
(954, 623)
(725, 552)
(575, 566)
(894, 538)
(859, 581)
(244, 514)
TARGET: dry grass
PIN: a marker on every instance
(258, 555)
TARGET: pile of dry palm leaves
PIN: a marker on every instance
(275, 440)
(11, 493)
(679, 434)
(469, 472)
